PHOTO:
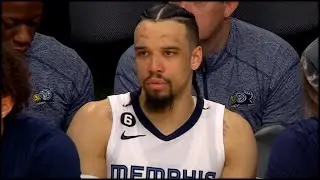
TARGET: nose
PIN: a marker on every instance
(23, 38)
(155, 65)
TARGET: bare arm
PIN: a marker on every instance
(90, 130)
(240, 147)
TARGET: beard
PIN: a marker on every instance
(155, 102)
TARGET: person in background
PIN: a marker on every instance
(295, 152)
(29, 149)
(250, 70)
(61, 80)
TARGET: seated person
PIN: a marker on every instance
(162, 130)
(248, 69)
(295, 152)
(28, 148)
(61, 80)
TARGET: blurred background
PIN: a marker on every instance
(101, 31)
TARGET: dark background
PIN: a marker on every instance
(101, 31)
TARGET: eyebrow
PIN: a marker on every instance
(16, 18)
(171, 48)
(139, 47)
(163, 48)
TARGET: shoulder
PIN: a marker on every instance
(258, 44)
(302, 136)
(103, 109)
(99, 114)
(92, 119)
(91, 125)
(49, 51)
(299, 140)
(129, 53)
(235, 122)
(231, 120)
(44, 137)
(94, 111)
(237, 132)
(302, 132)
(52, 152)
(30, 126)
(255, 36)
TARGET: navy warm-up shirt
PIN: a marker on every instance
(61, 81)
(29, 149)
(295, 152)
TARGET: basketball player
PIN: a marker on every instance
(240, 69)
(162, 131)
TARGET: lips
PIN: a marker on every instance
(156, 83)
(21, 50)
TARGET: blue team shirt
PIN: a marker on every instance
(61, 81)
(30, 149)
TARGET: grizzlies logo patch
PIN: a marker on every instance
(241, 98)
(42, 96)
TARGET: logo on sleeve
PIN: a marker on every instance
(42, 96)
(128, 119)
(241, 98)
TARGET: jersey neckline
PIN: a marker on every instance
(193, 119)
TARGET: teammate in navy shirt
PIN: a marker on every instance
(30, 149)
(295, 153)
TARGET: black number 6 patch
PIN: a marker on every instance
(128, 119)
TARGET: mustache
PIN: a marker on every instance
(157, 75)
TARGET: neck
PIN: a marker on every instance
(171, 119)
(218, 40)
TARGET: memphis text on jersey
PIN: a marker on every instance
(123, 171)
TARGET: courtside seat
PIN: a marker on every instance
(265, 137)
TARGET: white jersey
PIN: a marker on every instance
(136, 149)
